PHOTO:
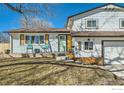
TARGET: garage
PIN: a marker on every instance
(113, 52)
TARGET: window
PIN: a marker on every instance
(62, 37)
(122, 23)
(28, 39)
(41, 39)
(88, 45)
(34, 39)
(91, 23)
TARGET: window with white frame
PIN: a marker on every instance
(121, 23)
(88, 45)
(34, 39)
(42, 39)
(28, 39)
(91, 23)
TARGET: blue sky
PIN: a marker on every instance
(10, 19)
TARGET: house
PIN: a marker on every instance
(99, 33)
(37, 41)
(95, 33)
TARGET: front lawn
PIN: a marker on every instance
(46, 71)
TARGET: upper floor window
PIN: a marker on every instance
(121, 23)
(91, 23)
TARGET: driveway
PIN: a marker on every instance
(117, 69)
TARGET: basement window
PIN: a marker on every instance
(88, 45)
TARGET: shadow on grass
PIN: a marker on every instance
(20, 80)
(40, 80)
(6, 76)
(51, 63)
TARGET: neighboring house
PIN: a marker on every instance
(33, 40)
(97, 33)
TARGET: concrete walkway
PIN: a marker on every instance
(117, 69)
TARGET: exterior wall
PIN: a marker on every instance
(107, 21)
(4, 46)
(97, 47)
(17, 48)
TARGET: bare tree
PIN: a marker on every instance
(32, 9)
(28, 10)
(4, 37)
(35, 23)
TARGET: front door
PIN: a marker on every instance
(62, 43)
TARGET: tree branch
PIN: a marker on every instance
(13, 8)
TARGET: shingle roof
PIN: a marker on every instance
(47, 30)
(97, 8)
(73, 33)
(98, 34)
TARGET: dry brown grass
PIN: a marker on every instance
(46, 71)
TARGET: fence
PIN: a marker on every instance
(4, 46)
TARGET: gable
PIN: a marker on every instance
(106, 7)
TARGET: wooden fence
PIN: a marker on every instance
(4, 46)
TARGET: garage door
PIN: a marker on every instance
(113, 52)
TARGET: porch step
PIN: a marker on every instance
(60, 56)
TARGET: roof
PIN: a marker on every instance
(98, 34)
(93, 9)
(47, 30)
(96, 8)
